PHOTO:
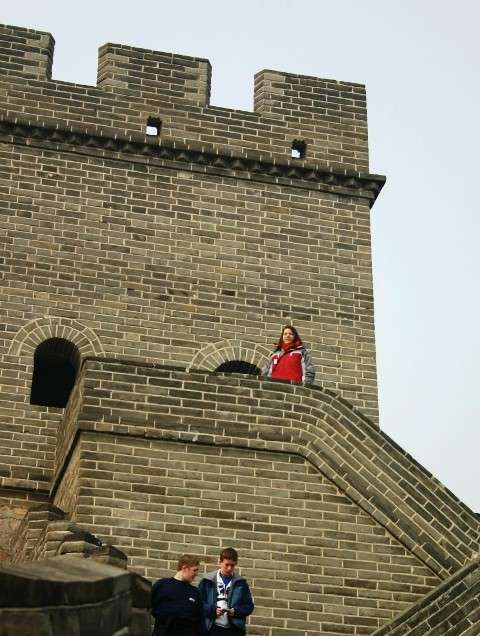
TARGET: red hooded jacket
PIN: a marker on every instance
(286, 363)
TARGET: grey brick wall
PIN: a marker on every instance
(316, 562)
(134, 84)
(330, 116)
(335, 535)
(331, 518)
(452, 608)
(25, 53)
(150, 402)
(172, 250)
(159, 258)
(14, 504)
(163, 75)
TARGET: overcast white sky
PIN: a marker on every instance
(419, 61)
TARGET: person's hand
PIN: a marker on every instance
(231, 611)
(218, 611)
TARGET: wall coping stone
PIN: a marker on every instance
(63, 580)
(71, 595)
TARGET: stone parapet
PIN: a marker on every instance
(149, 402)
(136, 86)
(67, 595)
(152, 73)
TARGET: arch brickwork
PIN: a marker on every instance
(36, 331)
(213, 355)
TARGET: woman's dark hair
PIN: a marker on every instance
(295, 335)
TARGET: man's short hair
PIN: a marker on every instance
(229, 554)
(188, 560)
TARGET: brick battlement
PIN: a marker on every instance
(25, 53)
(135, 85)
(142, 73)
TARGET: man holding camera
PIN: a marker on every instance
(226, 598)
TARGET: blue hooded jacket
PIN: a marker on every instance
(239, 597)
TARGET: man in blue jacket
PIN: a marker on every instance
(226, 598)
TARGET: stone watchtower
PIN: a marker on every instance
(152, 247)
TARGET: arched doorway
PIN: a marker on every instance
(55, 366)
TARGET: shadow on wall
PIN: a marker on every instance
(238, 366)
(55, 366)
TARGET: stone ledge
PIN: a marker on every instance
(61, 581)
(68, 595)
(195, 157)
(23, 488)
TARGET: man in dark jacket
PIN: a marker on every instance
(226, 598)
(176, 603)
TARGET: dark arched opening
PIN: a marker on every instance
(55, 366)
(238, 366)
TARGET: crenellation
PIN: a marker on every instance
(146, 73)
(135, 84)
(26, 53)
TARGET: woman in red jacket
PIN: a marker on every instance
(290, 360)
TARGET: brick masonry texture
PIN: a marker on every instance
(158, 260)
(32, 527)
(135, 84)
(13, 508)
(148, 402)
(315, 560)
(160, 257)
(452, 608)
(173, 462)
